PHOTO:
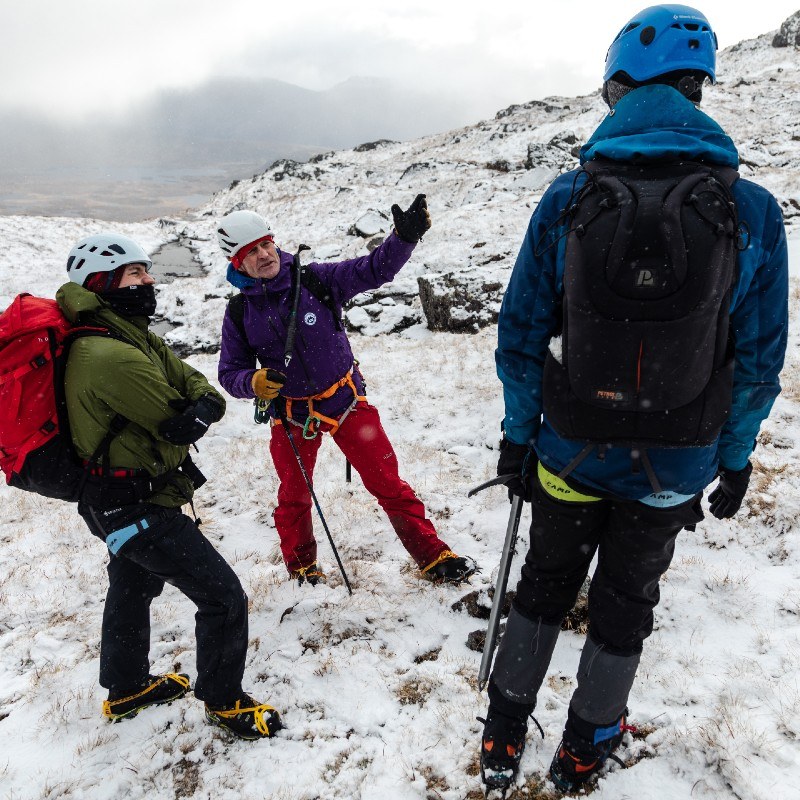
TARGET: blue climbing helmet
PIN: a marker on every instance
(663, 39)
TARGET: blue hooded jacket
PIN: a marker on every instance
(652, 122)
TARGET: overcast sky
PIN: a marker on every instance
(77, 58)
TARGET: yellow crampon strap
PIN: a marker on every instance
(315, 419)
(443, 556)
(257, 711)
(312, 571)
(179, 679)
(557, 487)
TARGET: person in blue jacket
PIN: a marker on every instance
(589, 499)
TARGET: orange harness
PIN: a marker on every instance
(314, 420)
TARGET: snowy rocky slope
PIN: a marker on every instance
(482, 183)
(378, 690)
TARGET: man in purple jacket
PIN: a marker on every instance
(321, 387)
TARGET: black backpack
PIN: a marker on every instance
(650, 264)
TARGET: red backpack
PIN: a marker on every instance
(36, 452)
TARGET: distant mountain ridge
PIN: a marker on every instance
(224, 128)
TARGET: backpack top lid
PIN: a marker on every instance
(28, 313)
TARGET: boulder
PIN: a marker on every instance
(464, 301)
(789, 33)
(370, 224)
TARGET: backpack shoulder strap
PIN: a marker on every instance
(236, 313)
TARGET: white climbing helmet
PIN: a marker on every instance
(103, 252)
(239, 229)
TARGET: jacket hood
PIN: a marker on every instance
(657, 122)
(74, 300)
(280, 282)
(82, 307)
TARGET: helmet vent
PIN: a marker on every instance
(93, 248)
(694, 44)
(691, 26)
(80, 264)
(106, 253)
(223, 232)
(116, 248)
(647, 35)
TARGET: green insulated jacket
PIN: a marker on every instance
(133, 374)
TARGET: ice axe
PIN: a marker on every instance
(292, 328)
(502, 574)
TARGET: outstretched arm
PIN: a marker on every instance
(346, 279)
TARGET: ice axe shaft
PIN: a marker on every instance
(281, 408)
(502, 576)
(292, 328)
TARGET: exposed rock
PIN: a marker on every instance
(789, 33)
(370, 224)
(382, 316)
(363, 148)
(462, 302)
(478, 604)
(559, 152)
(287, 168)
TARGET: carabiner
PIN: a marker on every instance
(312, 423)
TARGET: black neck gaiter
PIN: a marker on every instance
(132, 301)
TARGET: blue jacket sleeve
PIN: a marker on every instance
(759, 321)
(529, 317)
(346, 279)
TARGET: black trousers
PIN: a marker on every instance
(171, 551)
(635, 544)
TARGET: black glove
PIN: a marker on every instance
(727, 498)
(412, 225)
(516, 459)
(193, 421)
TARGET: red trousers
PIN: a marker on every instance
(364, 443)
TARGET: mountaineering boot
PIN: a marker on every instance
(311, 574)
(503, 739)
(246, 718)
(501, 749)
(584, 749)
(450, 568)
(157, 690)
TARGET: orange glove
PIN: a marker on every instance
(267, 383)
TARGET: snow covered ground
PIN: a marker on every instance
(378, 690)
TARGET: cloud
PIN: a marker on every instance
(79, 58)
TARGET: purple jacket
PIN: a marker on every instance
(322, 354)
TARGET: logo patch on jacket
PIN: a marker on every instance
(310, 318)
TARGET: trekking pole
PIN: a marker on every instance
(502, 576)
(292, 329)
(348, 470)
(281, 408)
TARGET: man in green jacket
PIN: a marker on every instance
(136, 407)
